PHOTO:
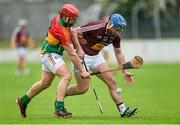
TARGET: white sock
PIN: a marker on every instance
(122, 108)
(17, 72)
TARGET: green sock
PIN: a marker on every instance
(59, 105)
(25, 99)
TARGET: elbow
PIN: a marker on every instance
(73, 31)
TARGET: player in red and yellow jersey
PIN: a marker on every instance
(58, 39)
(93, 37)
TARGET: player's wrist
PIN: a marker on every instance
(82, 70)
(124, 71)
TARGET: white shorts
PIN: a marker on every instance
(51, 62)
(21, 51)
(92, 62)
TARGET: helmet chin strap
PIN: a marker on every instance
(66, 21)
(109, 26)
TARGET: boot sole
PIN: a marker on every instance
(18, 103)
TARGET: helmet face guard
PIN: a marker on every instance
(119, 27)
(70, 12)
(118, 22)
(71, 21)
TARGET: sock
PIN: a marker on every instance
(59, 105)
(17, 72)
(121, 107)
(25, 99)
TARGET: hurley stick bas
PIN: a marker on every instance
(135, 63)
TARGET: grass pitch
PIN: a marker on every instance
(156, 94)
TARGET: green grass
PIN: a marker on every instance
(156, 93)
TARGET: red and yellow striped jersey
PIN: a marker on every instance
(58, 35)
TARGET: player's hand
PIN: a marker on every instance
(85, 75)
(128, 77)
(80, 53)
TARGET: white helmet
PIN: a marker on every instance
(22, 22)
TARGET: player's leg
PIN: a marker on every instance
(47, 77)
(45, 82)
(65, 75)
(18, 67)
(109, 80)
(24, 61)
(80, 87)
(114, 91)
(21, 64)
(105, 53)
(60, 69)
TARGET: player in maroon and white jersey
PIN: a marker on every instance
(20, 40)
(93, 37)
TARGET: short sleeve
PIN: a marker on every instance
(15, 32)
(64, 36)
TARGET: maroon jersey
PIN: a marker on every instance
(21, 37)
(97, 37)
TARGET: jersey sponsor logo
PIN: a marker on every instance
(97, 46)
(105, 40)
(99, 37)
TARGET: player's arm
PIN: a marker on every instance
(120, 57)
(75, 59)
(13, 40)
(121, 60)
(74, 36)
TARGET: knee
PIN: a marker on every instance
(111, 82)
(83, 88)
(45, 83)
(67, 76)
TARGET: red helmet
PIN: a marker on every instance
(69, 10)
